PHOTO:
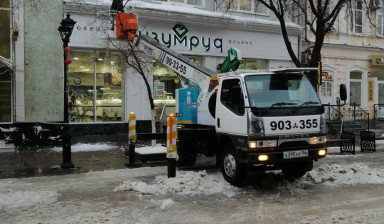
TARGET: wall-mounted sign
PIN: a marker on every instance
(77, 81)
(327, 76)
(159, 89)
(370, 90)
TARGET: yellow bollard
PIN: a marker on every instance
(132, 137)
(171, 136)
(171, 144)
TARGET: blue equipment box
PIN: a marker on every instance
(186, 111)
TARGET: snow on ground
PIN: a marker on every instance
(187, 183)
(350, 174)
(151, 150)
(82, 147)
(11, 199)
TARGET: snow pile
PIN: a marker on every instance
(158, 149)
(80, 147)
(352, 174)
(187, 183)
(12, 199)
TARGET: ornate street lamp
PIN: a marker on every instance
(65, 29)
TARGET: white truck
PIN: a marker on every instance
(256, 120)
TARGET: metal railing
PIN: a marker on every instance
(333, 112)
(348, 112)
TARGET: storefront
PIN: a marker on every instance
(98, 72)
(6, 73)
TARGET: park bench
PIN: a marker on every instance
(368, 141)
(346, 142)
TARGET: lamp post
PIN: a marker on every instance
(65, 29)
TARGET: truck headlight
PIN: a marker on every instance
(262, 144)
(255, 124)
(317, 140)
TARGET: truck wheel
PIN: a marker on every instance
(297, 170)
(233, 171)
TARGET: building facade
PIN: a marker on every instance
(353, 54)
(102, 88)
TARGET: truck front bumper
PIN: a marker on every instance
(277, 158)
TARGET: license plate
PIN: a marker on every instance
(295, 154)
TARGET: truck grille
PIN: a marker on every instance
(293, 145)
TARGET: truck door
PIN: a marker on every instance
(230, 111)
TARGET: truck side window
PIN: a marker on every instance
(232, 96)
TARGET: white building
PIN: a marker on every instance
(207, 32)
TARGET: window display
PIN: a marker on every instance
(5, 95)
(96, 75)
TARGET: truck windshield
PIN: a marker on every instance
(280, 90)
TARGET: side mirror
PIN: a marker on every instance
(343, 92)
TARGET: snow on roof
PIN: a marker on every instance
(174, 7)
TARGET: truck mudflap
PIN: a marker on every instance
(278, 158)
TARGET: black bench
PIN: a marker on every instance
(346, 142)
(368, 141)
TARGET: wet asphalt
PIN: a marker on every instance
(43, 161)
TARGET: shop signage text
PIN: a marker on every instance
(180, 38)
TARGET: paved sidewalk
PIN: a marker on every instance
(43, 161)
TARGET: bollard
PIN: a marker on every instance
(131, 139)
(131, 154)
(171, 144)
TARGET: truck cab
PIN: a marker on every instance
(268, 120)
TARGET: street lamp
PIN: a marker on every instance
(65, 29)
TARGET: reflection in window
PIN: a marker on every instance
(5, 41)
(253, 64)
(105, 84)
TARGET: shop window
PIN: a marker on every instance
(252, 6)
(96, 87)
(253, 64)
(5, 95)
(5, 40)
(165, 83)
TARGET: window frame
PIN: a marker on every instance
(380, 17)
(185, 2)
(353, 19)
(253, 8)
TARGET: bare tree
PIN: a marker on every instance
(135, 55)
(318, 15)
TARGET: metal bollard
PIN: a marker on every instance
(171, 168)
(131, 154)
(171, 145)
(131, 139)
